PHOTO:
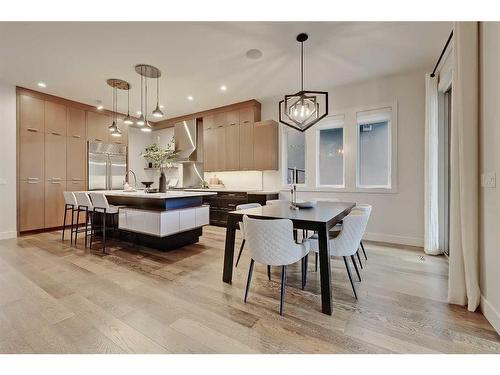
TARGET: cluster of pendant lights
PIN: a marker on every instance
(145, 71)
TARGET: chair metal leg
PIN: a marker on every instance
(104, 232)
(72, 224)
(283, 283)
(359, 259)
(356, 267)
(92, 228)
(316, 262)
(239, 254)
(350, 276)
(249, 279)
(77, 224)
(86, 226)
(64, 220)
(269, 272)
(304, 271)
(363, 248)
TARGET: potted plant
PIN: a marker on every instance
(161, 158)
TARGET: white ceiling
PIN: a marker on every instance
(75, 59)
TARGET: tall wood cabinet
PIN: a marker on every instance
(236, 140)
(52, 154)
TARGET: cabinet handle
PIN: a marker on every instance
(98, 140)
(56, 178)
(34, 130)
(55, 133)
(220, 126)
(55, 182)
(32, 182)
(233, 123)
(76, 136)
(76, 179)
(74, 182)
(246, 122)
(32, 178)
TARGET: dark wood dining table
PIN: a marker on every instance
(320, 218)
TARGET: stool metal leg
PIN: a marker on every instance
(249, 279)
(356, 267)
(350, 276)
(283, 284)
(239, 254)
(64, 220)
(363, 248)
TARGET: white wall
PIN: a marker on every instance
(397, 216)
(489, 161)
(8, 162)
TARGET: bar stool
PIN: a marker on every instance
(69, 205)
(84, 205)
(102, 207)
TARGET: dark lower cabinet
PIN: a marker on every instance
(226, 201)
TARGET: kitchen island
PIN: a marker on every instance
(161, 220)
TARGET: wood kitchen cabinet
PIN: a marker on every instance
(76, 185)
(97, 126)
(232, 145)
(209, 150)
(31, 114)
(55, 157)
(31, 205)
(54, 203)
(220, 148)
(208, 122)
(31, 154)
(233, 117)
(76, 123)
(266, 145)
(246, 146)
(77, 159)
(55, 115)
(220, 120)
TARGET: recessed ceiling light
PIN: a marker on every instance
(254, 54)
(139, 113)
(190, 98)
(42, 84)
(223, 88)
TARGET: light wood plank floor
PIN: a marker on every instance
(58, 299)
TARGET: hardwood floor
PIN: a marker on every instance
(58, 299)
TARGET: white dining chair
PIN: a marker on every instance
(367, 208)
(105, 210)
(271, 242)
(69, 205)
(346, 243)
(271, 202)
(84, 204)
(242, 228)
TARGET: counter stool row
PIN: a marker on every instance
(97, 211)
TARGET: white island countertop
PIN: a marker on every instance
(173, 194)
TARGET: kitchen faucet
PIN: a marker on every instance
(135, 178)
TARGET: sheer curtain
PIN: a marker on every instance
(431, 232)
(463, 288)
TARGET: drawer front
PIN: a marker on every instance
(202, 216)
(187, 219)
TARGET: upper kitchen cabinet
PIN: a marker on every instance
(55, 118)
(31, 114)
(55, 157)
(232, 146)
(97, 126)
(220, 120)
(208, 122)
(266, 145)
(233, 117)
(76, 123)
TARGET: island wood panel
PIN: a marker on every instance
(266, 145)
(56, 118)
(54, 203)
(31, 205)
(76, 123)
(55, 157)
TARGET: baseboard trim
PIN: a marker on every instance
(8, 235)
(394, 239)
(489, 312)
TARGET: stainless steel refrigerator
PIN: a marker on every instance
(107, 166)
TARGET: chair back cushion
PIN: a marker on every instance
(82, 199)
(69, 198)
(99, 200)
(353, 228)
(271, 241)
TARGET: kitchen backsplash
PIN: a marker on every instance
(252, 180)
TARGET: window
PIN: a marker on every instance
(374, 149)
(330, 160)
(295, 142)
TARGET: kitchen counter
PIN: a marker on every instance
(226, 190)
(171, 194)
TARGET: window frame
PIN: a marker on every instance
(377, 115)
(336, 122)
(284, 157)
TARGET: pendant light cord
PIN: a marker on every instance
(157, 90)
(301, 66)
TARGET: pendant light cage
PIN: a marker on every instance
(304, 108)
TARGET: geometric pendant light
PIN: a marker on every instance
(304, 108)
(122, 85)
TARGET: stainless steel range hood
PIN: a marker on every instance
(189, 141)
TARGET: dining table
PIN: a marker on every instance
(320, 218)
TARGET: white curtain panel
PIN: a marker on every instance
(431, 232)
(463, 288)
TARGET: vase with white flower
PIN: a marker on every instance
(161, 158)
